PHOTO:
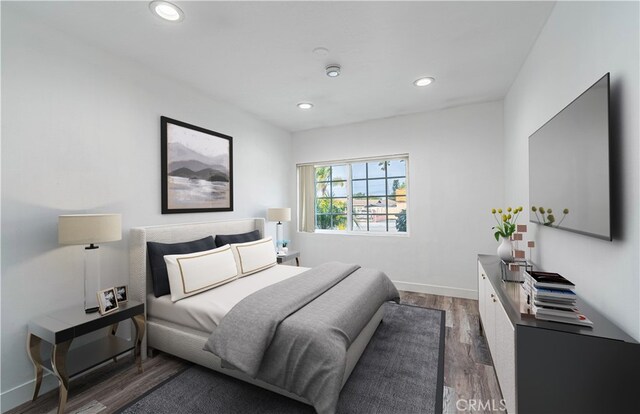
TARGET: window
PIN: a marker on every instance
(362, 196)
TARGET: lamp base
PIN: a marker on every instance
(91, 277)
(92, 310)
(279, 236)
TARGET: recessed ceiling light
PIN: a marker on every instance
(423, 81)
(333, 71)
(305, 105)
(166, 10)
(321, 51)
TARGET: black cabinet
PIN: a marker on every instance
(556, 367)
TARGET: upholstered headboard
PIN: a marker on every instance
(139, 269)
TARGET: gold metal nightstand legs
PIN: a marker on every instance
(59, 359)
(33, 348)
(139, 323)
(58, 365)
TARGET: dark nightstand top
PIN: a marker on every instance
(64, 324)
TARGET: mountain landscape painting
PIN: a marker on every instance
(197, 169)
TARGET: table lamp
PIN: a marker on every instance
(89, 229)
(279, 215)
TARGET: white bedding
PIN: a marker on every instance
(205, 310)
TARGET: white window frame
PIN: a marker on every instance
(350, 231)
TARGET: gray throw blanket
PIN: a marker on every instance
(295, 334)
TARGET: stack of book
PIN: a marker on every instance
(553, 298)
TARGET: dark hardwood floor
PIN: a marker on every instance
(469, 373)
(468, 370)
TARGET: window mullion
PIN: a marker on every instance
(386, 197)
(331, 198)
(366, 176)
(349, 200)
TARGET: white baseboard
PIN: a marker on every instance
(22, 393)
(437, 290)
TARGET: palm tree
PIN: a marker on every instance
(323, 181)
(323, 175)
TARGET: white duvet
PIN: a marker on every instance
(205, 310)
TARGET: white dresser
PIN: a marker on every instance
(548, 367)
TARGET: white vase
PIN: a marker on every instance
(504, 249)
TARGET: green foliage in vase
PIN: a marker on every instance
(506, 221)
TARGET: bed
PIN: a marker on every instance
(183, 328)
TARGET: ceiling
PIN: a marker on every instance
(258, 56)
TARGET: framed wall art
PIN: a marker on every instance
(197, 169)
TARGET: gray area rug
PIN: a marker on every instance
(400, 371)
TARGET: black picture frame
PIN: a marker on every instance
(195, 161)
(122, 293)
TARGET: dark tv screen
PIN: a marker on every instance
(569, 166)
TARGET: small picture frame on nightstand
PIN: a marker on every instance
(107, 301)
(122, 294)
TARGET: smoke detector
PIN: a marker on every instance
(333, 70)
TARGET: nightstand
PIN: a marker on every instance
(56, 331)
(290, 255)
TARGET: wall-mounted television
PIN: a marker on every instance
(569, 166)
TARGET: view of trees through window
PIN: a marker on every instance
(362, 196)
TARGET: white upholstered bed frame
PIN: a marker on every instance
(188, 343)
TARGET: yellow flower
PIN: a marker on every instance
(500, 210)
(534, 208)
(542, 210)
(509, 216)
(520, 208)
(549, 211)
(493, 211)
(504, 217)
(565, 211)
(509, 209)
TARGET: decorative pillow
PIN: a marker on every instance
(196, 272)
(254, 256)
(222, 239)
(157, 251)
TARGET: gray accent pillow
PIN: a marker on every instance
(222, 239)
(157, 251)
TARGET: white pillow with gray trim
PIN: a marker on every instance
(254, 256)
(192, 273)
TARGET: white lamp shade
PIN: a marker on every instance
(279, 214)
(89, 228)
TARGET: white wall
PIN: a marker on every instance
(455, 178)
(581, 42)
(81, 133)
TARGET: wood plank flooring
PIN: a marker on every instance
(469, 373)
(468, 369)
(111, 386)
